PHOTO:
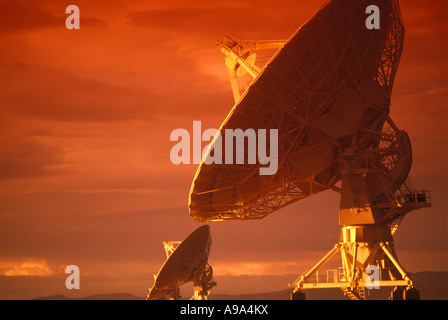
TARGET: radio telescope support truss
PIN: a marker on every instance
(170, 246)
(240, 58)
(353, 278)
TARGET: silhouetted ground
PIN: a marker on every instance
(432, 286)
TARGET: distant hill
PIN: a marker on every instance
(106, 296)
(278, 295)
(432, 286)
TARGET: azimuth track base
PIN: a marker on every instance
(368, 262)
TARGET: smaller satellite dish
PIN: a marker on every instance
(187, 262)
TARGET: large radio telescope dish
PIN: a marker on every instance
(330, 83)
(327, 91)
(185, 263)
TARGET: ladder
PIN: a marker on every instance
(355, 293)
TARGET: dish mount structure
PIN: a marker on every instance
(328, 92)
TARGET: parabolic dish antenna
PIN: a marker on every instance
(327, 90)
(185, 263)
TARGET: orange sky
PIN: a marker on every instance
(85, 120)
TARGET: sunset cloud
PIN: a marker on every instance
(23, 17)
(278, 267)
(24, 157)
(30, 268)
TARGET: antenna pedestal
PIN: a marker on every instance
(202, 283)
(369, 208)
(368, 262)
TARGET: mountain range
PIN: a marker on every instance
(432, 286)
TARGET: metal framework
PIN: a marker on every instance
(328, 92)
(354, 279)
(203, 283)
(241, 56)
(330, 81)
